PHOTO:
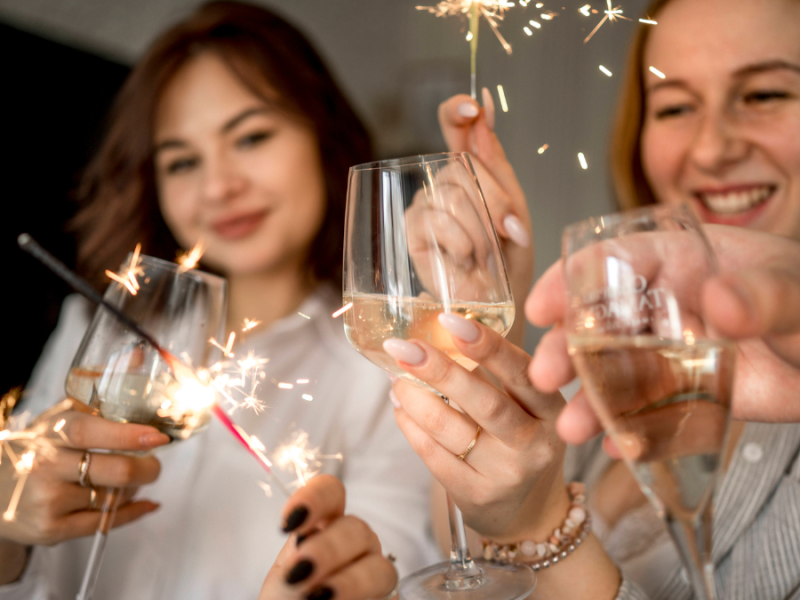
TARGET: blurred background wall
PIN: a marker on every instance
(63, 60)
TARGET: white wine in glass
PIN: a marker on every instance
(419, 242)
(659, 381)
(126, 380)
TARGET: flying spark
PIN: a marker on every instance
(189, 260)
(604, 70)
(543, 148)
(502, 95)
(648, 21)
(527, 30)
(535, 24)
(342, 310)
(285, 386)
(130, 270)
(611, 15)
(657, 73)
(301, 381)
(248, 324)
(226, 350)
(304, 316)
(582, 159)
(584, 10)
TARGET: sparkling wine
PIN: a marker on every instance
(134, 398)
(667, 407)
(375, 318)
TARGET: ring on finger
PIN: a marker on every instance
(92, 498)
(391, 558)
(465, 453)
(83, 470)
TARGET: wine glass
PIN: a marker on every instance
(419, 241)
(659, 381)
(126, 380)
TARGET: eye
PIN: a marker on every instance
(672, 111)
(762, 96)
(253, 139)
(181, 165)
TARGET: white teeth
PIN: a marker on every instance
(735, 202)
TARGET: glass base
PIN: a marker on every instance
(495, 582)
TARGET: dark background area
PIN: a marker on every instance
(55, 99)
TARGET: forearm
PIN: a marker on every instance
(13, 558)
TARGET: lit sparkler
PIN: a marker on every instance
(491, 10)
(305, 461)
(189, 260)
(129, 272)
(610, 15)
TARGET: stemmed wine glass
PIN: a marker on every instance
(419, 241)
(657, 378)
(126, 380)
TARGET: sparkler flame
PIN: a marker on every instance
(129, 272)
(305, 461)
(491, 10)
(610, 15)
(189, 260)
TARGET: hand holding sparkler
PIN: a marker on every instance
(54, 507)
(329, 554)
(468, 128)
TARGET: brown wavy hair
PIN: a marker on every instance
(627, 173)
(119, 204)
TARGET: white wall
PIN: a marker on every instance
(397, 63)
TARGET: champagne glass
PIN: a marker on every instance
(656, 377)
(126, 380)
(419, 241)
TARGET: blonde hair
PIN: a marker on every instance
(627, 173)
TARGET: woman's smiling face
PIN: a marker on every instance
(235, 172)
(722, 129)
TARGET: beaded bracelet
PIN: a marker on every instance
(562, 543)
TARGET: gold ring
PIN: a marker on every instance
(92, 498)
(465, 453)
(83, 470)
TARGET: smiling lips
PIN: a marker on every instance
(240, 226)
(735, 201)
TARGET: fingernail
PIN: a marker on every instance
(296, 518)
(488, 107)
(404, 351)
(393, 398)
(300, 571)
(459, 327)
(468, 109)
(302, 538)
(516, 231)
(153, 439)
(323, 593)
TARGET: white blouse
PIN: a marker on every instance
(217, 532)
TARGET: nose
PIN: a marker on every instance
(718, 144)
(222, 181)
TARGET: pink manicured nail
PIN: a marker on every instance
(468, 109)
(516, 231)
(394, 399)
(404, 351)
(459, 327)
(488, 107)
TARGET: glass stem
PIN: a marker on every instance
(107, 515)
(463, 573)
(693, 539)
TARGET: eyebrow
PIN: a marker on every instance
(747, 70)
(226, 128)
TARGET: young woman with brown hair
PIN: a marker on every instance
(232, 132)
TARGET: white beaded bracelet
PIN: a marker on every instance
(562, 543)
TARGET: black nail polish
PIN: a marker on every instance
(302, 538)
(296, 518)
(323, 593)
(300, 571)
